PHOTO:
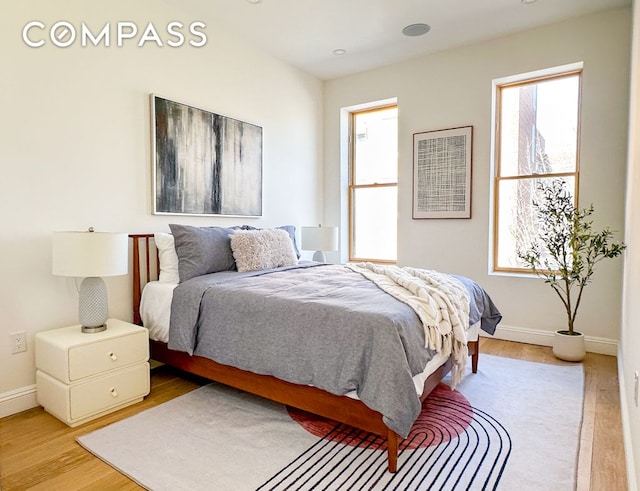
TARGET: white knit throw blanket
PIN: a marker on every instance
(440, 301)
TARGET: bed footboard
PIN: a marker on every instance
(338, 408)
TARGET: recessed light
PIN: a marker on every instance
(527, 1)
(339, 52)
(416, 30)
(255, 2)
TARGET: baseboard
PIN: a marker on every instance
(540, 337)
(18, 400)
(626, 429)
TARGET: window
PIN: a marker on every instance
(537, 125)
(373, 184)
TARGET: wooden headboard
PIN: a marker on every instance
(144, 270)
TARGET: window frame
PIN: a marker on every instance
(527, 79)
(352, 187)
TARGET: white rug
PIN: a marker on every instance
(513, 425)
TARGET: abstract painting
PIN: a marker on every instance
(442, 173)
(204, 163)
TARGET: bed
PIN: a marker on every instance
(246, 344)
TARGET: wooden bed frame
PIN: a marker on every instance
(339, 408)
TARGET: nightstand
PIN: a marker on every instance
(81, 376)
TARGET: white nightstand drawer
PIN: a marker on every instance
(70, 355)
(77, 403)
(109, 391)
(108, 354)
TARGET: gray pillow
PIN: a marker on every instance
(291, 230)
(202, 250)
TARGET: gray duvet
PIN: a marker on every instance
(321, 325)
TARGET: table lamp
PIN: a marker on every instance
(320, 239)
(91, 255)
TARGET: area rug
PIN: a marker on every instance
(513, 425)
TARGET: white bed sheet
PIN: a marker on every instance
(155, 311)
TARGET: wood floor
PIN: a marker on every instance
(38, 452)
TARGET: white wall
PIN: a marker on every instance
(75, 149)
(452, 89)
(629, 358)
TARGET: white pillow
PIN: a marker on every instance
(168, 258)
(262, 249)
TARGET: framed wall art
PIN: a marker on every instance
(204, 163)
(442, 173)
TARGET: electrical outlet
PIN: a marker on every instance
(18, 342)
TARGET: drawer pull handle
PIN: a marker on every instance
(114, 392)
(113, 356)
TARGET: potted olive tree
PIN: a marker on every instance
(564, 252)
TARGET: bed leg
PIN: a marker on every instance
(474, 357)
(392, 450)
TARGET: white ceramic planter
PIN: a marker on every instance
(569, 348)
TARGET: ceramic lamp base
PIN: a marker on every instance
(93, 305)
(320, 257)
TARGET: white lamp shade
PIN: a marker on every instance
(84, 254)
(320, 238)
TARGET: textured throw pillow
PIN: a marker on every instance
(262, 249)
(168, 258)
(290, 229)
(202, 250)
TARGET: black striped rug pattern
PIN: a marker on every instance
(452, 446)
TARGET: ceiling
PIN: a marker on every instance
(304, 33)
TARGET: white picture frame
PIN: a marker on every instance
(442, 173)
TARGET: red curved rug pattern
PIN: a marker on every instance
(445, 414)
